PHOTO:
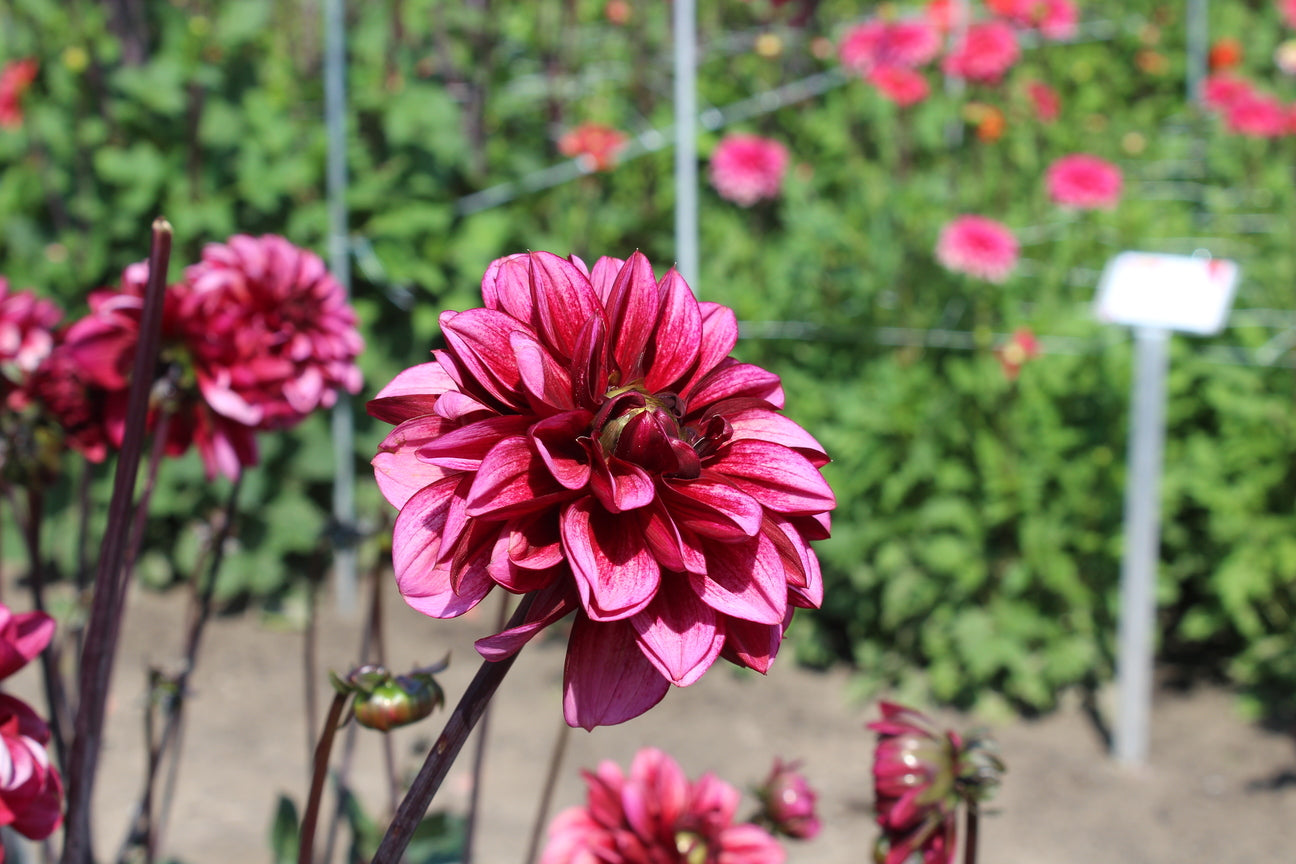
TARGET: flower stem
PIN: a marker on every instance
(102, 630)
(306, 847)
(971, 835)
(447, 747)
(546, 795)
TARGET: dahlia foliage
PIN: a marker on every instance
(656, 816)
(748, 168)
(922, 775)
(979, 247)
(31, 792)
(586, 438)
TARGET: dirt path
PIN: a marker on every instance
(1217, 789)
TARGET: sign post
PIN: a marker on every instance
(1154, 294)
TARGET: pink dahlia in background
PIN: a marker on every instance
(979, 247)
(1055, 19)
(656, 816)
(1045, 100)
(586, 439)
(1084, 182)
(907, 43)
(748, 168)
(15, 78)
(26, 335)
(788, 802)
(921, 776)
(1257, 115)
(594, 144)
(986, 52)
(945, 15)
(1287, 8)
(31, 792)
(900, 85)
(1220, 91)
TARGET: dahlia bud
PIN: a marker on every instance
(384, 701)
(788, 802)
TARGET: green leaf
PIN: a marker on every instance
(285, 831)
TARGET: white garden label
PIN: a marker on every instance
(1191, 294)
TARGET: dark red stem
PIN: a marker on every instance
(971, 836)
(306, 847)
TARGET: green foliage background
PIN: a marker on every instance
(976, 546)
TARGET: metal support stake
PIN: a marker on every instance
(344, 552)
(686, 180)
(1142, 544)
(1198, 36)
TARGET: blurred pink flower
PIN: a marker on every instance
(900, 85)
(1045, 100)
(594, 144)
(586, 438)
(22, 637)
(26, 335)
(944, 15)
(63, 389)
(31, 792)
(15, 78)
(1084, 182)
(907, 43)
(656, 816)
(1055, 19)
(287, 335)
(788, 802)
(747, 168)
(1287, 8)
(1257, 115)
(987, 51)
(1021, 347)
(979, 247)
(1221, 91)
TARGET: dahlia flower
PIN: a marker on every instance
(1045, 100)
(1288, 10)
(979, 247)
(902, 86)
(1258, 115)
(907, 43)
(921, 775)
(747, 168)
(1221, 91)
(26, 335)
(586, 438)
(594, 144)
(656, 816)
(1083, 182)
(986, 52)
(945, 15)
(1055, 19)
(788, 802)
(31, 792)
(15, 78)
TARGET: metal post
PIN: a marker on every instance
(344, 560)
(686, 181)
(1142, 544)
(1198, 35)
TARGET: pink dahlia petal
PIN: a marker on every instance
(511, 481)
(656, 793)
(680, 635)
(607, 679)
(748, 168)
(564, 301)
(732, 380)
(679, 329)
(1084, 182)
(464, 448)
(506, 287)
(604, 275)
(615, 572)
(556, 441)
(22, 638)
(765, 425)
(744, 580)
(780, 478)
(750, 644)
(979, 247)
(719, 336)
(550, 605)
(544, 380)
(620, 485)
(713, 507)
(479, 339)
(749, 844)
(632, 314)
(668, 546)
(416, 540)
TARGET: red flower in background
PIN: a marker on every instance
(944, 15)
(26, 335)
(979, 247)
(900, 85)
(788, 802)
(15, 78)
(907, 43)
(1045, 100)
(31, 792)
(587, 439)
(1021, 347)
(748, 168)
(1084, 182)
(594, 144)
(1055, 19)
(986, 52)
(656, 816)
(1225, 54)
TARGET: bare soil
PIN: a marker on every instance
(1216, 788)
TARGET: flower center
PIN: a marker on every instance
(648, 430)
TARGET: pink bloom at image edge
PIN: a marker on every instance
(1288, 10)
(15, 78)
(586, 438)
(1084, 182)
(979, 247)
(654, 816)
(26, 331)
(988, 50)
(788, 802)
(31, 791)
(1055, 19)
(748, 168)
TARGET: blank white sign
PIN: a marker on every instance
(1191, 294)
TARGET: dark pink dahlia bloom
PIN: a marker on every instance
(587, 438)
(31, 793)
(656, 816)
(26, 335)
(788, 802)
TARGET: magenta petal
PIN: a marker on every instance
(766, 425)
(719, 336)
(667, 544)
(512, 481)
(781, 479)
(620, 485)
(607, 679)
(479, 341)
(589, 363)
(506, 286)
(464, 448)
(564, 301)
(655, 794)
(556, 441)
(632, 314)
(712, 507)
(679, 634)
(545, 381)
(730, 380)
(416, 544)
(744, 580)
(615, 573)
(401, 473)
(674, 345)
(749, 844)
(752, 645)
(550, 605)
(26, 635)
(604, 275)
